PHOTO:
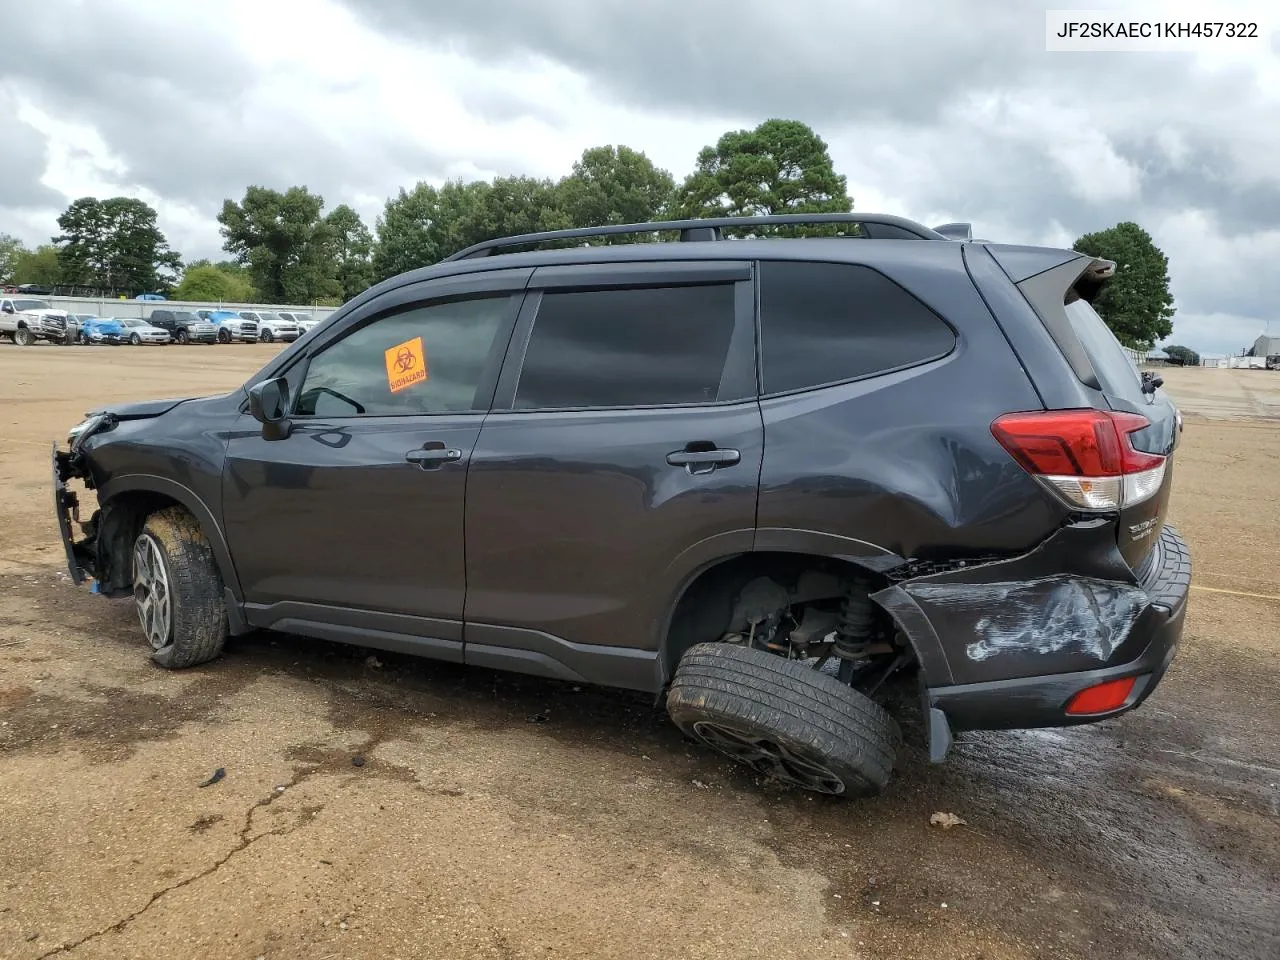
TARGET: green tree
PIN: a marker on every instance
(1135, 303)
(351, 251)
(283, 241)
(114, 245)
(10, 249)
(1183, 356)
(424, 225)
(780, 167)
(615, 185)
(206, 283)
(39, 266)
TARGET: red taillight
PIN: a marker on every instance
(1103, 698)
(1085, 455)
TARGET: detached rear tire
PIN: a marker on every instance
(784, 719)
(178, 590)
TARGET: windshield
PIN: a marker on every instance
(31, 305)
(131, 323)
(272, 317)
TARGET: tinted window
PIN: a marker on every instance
(620, 348)
(826, 322)
(1117, 374)
(421, 360)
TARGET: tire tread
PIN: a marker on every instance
(198, 608)
(790, 700)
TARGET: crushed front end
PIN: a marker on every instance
(82, 555)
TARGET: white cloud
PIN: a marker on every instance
(961, 115)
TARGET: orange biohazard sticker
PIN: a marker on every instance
(406, 364)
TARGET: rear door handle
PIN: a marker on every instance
(432, 455)
(698, 459)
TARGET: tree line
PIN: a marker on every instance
(283, 247)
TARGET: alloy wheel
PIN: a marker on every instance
(151, 591)
(768, 757)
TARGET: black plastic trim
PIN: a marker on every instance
(540, 654)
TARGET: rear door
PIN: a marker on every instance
(624, 448)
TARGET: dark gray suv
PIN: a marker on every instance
(767, 479)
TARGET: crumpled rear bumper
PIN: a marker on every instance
(1006, 645)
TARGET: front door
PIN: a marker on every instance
(351, 527)
(623, 453)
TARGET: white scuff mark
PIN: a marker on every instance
(1044, 616)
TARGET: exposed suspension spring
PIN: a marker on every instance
(856, 625)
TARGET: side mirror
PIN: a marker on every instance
(269, 405)
(1151, 382)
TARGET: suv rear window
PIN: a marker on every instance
(628, 348)
(1117, 375)
(823, 323)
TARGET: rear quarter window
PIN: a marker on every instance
(824, 323)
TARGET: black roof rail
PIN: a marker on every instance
(710, 228)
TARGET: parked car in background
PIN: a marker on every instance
(232, 327)
(100, 330)
(305, 321)
(25, 321)
(150, 296)
(272, 326)
(184, 326)
(138, 332)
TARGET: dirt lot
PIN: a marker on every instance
(473, 830)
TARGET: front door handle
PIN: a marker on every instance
(703, 457)
(432, 455)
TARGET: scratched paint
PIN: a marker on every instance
(1050, 615)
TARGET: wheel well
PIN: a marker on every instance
(118, 525)
(706, 608)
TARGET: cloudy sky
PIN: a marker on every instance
(935, 110)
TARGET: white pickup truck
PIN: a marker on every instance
(25, 321)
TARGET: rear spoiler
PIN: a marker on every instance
(1091, 280)
(956, 231)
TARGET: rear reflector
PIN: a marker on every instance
(1085, 456)
(1102, 698)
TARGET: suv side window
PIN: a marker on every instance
(823, 323)
(627, 347)
(420, 360)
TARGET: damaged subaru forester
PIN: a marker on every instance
(765, 479)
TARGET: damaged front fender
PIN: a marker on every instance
(1071, 604)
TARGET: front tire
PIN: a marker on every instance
(135, 340)
(784, 719)
(22, 337)
(178, 591)
(224, 337)
(182, 337)
(267, 336)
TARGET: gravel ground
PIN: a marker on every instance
(392, 808)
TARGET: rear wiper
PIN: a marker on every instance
(1151, 382)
